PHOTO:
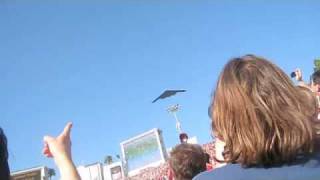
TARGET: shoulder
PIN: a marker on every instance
(227, 173)
(309, 170)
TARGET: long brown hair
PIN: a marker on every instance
(261, 116)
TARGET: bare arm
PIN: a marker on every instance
(59, 148)
(299, 79)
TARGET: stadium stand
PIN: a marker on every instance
(161, 172)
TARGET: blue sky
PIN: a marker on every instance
(101, 64)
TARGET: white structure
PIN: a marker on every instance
(91, 172)
(173, 110)
(37, 173)
(143, 151)
(193, 140)
(113, 171)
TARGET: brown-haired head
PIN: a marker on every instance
(261, 116)
(187, 161)
(309, 96)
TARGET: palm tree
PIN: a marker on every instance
(108, 160)
(118, 156)
(51, 172)
(316, 64)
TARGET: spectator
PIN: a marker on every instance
(315, 83)
(266, 124)
(211, 150)
(186, 161)
(314, 86)
(314, 80)
(183, 137)
(297, 74)
(163, 171)
(208, 163)
(59, 149)
(4, 166)
(311, 97)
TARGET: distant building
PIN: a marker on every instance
(91, 172)
(99, 171)
(37, 173)
(113, 171)
(193, 140)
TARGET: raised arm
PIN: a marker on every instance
(59, 148)
(299, 78)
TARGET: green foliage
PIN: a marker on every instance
(118, 156)
(108, 160)
(51, 172)
(317, 64)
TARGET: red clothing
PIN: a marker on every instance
(170, 174)
(209, 166)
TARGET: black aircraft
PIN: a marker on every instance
(167, 93)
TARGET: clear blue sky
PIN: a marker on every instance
(101, 64)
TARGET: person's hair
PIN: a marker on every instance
(261, 116)
(187, 160)
(4, 167)
(183, 136)
(207, 157)
(316, 77)
(309, 97)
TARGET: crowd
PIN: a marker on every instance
(209, 148)
(265, 128)
(153, 173)
(162, 172)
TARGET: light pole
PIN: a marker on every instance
(173, 110)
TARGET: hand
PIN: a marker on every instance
(298, 74)
(59, 148)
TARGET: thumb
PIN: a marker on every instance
(67, 129)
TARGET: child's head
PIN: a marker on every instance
(187, 160)
(261, 116)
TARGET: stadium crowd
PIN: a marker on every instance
(162, 172)
(154, 173)
(267, 128)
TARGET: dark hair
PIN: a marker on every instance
(207, 158)
(187, 160)
(4, 167)
(183, 136)
(261, 116)
(316, 77)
